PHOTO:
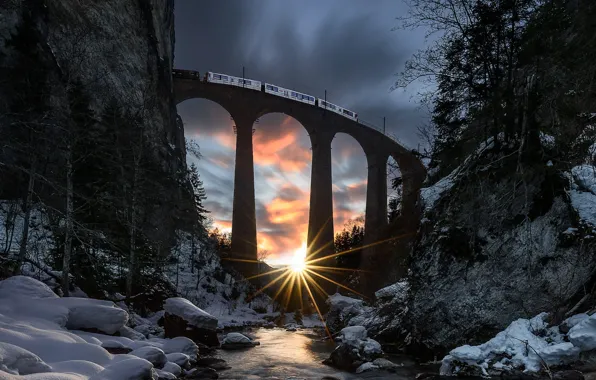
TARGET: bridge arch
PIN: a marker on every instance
(246, 106)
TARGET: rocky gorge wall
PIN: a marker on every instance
(118, 51)
(497, 242)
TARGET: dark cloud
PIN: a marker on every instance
(342, 46)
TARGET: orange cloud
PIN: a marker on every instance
(223, 225)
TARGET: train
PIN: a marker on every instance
(272, 89)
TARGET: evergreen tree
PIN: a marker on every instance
(348, 241)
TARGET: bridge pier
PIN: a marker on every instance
(376, 197)
(375, 223)
(320, 218)
(244, 225)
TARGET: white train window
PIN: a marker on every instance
(217, 76)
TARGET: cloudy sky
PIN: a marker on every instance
(343, 46)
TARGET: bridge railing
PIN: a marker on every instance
(190, 74)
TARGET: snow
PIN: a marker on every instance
(397, 290)
(356, 336)
(165, 374)
(184, 309)
(18, 361)
(235, 338)
(34, 339)
(26, 287)
(181, 345)
(574, 320)
(430, 195)
(583, 192)
(525, 344)
(368, 366)
(172, 368)
(152, 354)
(128, 369)
(583, 333)
(343, 301)
(178, 358)
(547, 141)
(220, 293)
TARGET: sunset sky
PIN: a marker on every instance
(343, 46)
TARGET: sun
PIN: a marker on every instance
(298, 263)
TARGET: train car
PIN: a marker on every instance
(337, 109)
(233, 81)
(289, 94)
(189, 74)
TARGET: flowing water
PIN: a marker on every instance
(298, 355)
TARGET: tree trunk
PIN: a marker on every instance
(69, 223)
(131, 258)
(9, 224)
(132, 227)
(192, 253)
(27, 217)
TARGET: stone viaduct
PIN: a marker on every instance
(246, 106)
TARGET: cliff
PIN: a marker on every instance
(88, 115)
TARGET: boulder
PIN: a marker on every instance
(23, 286)
(234, 341)
(175, 326)
(179, 358)
(193, 315)
(152, 354)
(21, 361)
(172, 368)
(181, 345)
(354, 350)
(164, 375)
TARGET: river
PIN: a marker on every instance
(298, 355)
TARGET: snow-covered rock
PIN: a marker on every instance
(365, 367)
(235, 340)
(127, 369)
(527, 344)
(28, 297)
(181, 345)
(86, 313)
(184, 309)
(152, 354)
(127, 332)
(162, 374)
(354, 349)
(23, 286)
(172, 368)
(179, 358)
(583, 334)
(341, 310)
(18, 361)
(583, 193)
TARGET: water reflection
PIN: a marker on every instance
(293, 355)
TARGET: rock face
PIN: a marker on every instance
(354, 351)
(175, 327)
(183, 319)
(119, 53)
(495, 245)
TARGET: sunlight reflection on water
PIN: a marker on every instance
(291, 355)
